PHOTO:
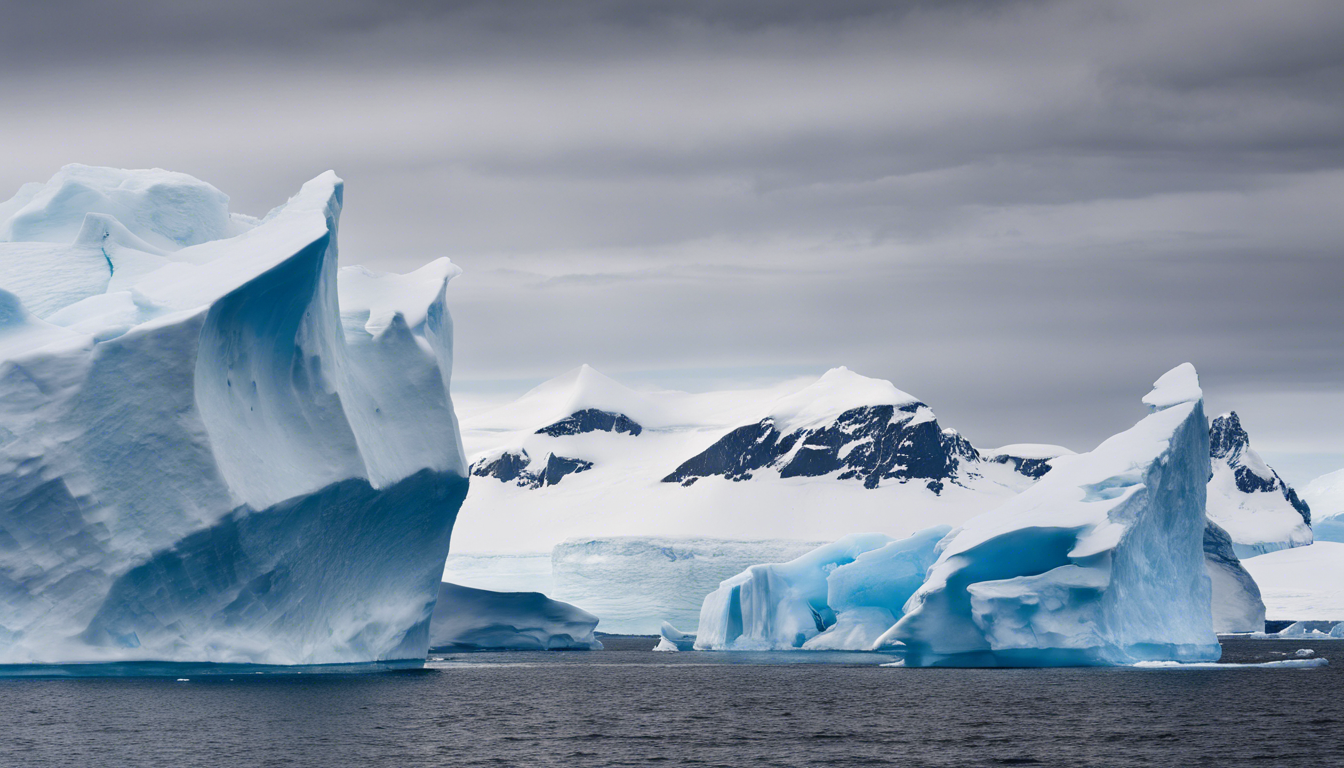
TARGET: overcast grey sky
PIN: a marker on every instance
(1022, 212)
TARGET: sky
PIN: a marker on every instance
(1022, 212)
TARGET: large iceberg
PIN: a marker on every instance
(467, 619)
(215, 445)
(1101, 562)
(840, 596)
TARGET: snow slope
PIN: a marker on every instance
(215, 445)
(1247, 497)
(1325, 494)
(467, 619)
(1301, 584)
(558, 463)
(1101, 562)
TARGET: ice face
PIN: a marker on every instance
(480, 619)
(839, 596)
(638, 583)
(1101, 562)
(209, 451)
(1237, 605)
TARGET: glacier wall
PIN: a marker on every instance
(636, 583)
(215, 444)
(1101, 562)
(467, 619)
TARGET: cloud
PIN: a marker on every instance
(1021, 211)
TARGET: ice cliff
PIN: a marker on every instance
(215, 445)
(1101, 562)
(841, 595)
(467, 619)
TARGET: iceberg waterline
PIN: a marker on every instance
(215, 445)
(1101, 562)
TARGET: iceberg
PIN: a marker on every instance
(215, 444)
(672, 639)
(467, 619)
(1101, 562)
(1237, 604)
(840, 596)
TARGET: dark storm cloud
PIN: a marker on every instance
(1022, 212)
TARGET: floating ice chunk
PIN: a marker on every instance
(1285, 664)
(1101, 562)
(480, 620)
(840, 596)
(672, 639)
(780, 605)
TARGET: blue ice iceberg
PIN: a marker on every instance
(1101, 562)
(467, 619)
(215, 445)
(840, 596)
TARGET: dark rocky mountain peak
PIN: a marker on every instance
(591, 420)
(868, 444)
(513, 466)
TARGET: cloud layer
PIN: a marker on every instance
(1021, 211)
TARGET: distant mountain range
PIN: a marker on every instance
(583, 455)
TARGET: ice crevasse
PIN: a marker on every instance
(1101, 562)
(215, 444)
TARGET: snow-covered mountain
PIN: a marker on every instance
(215, 445)
(583, 455)
(1260, 511)
(1325, 494)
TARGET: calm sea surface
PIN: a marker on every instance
(629, 707)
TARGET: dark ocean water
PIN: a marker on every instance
(630, 707)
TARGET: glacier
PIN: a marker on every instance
(637, 583)
(1325, 494)
(1302, 583)
(840, 596)
(1101, 562)
(467, 619)
(216, 445)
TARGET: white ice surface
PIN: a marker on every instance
(1301, 584)
(622, 495)
(638, 583)
(1325, 496)
(483, 620)
(197, 463)
(1101, 562)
